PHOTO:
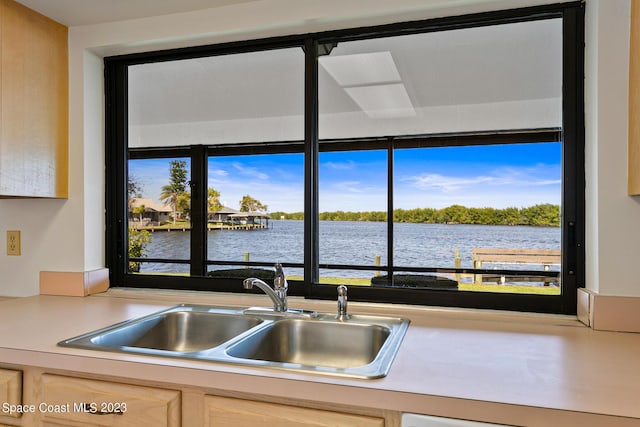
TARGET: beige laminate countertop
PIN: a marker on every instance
(509, 368)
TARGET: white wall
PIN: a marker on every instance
(613, 218)
(68, 235)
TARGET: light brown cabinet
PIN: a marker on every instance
(33, 104)
(85, 402)
(634, 101)
(63, 399)
(232, 412)
(70, 401)
(10, 393)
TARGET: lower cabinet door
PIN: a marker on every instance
(67, 401)
(227, 412)
(10, 395)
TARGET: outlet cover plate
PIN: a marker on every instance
(13, 242)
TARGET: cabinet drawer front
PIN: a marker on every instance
(76, 401)
(231, 412)
(10, 391)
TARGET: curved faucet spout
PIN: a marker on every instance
(278, 304)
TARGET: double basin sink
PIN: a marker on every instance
(357, 346)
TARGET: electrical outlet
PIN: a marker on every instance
(13, 242)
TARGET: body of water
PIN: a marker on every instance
(345, 242)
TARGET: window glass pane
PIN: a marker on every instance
(255, 209)
(247, 97)
(349, 277)
(353, 212)
(498, 77)
(389, 213)
(491, 206)
(159, 214)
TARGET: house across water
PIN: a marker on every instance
(153, 214)
(144, 213)
(228, 217)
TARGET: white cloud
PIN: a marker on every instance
(249, 171)
(497, 186)
(350, 165)
(525, 177)
(537, 175)
(444, 183)
(350, 186)
(218, 172)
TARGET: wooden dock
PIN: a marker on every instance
(210, 227)
(220, 226)
(544, 257)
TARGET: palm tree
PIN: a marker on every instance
(140, 211)
(172, 192)
(170, 197)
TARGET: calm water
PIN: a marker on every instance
(343, 242)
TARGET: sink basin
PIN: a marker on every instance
(181, 331)
(313, 343)
(358, 347)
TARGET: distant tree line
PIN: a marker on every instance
(539, 215)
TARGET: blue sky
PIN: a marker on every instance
(483, 176)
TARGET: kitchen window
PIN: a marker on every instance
(437, 162)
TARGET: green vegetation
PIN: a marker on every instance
(138, 240)
(510, 289)
(213, 200)
(298, 216)
(178, 225)
(547, 215)
(355, 281)
(249, 204)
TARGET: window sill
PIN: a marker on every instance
(414, 312)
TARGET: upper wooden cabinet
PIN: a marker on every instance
(634, 101)
(33, 104)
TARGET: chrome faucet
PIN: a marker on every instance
(279, 292)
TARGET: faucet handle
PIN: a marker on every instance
(342, 303)
(280, 280)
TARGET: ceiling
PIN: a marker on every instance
(505, 76)
(496, 76)
(86, 12)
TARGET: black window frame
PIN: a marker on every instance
(571, 135)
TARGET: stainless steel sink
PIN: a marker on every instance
(181, 331)
(313, 343)
(358, 346)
